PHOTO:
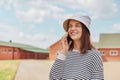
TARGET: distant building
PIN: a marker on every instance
(53, 50)
(108, 45)
(10, 51)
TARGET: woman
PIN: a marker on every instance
(77, 58)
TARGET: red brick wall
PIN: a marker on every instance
(5, 54)
(53, 50)
(42, 56)
(17, 53)
(9, 53)
(107, 56)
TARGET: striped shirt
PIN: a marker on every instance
(78, 66)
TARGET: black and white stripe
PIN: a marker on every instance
(78, 66)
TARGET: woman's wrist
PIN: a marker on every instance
(61, 55)
(63, 52)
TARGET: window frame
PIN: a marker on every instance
(113, 52)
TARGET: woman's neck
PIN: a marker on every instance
(77, 45)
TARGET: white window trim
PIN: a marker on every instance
(113, 52)
(102, 52)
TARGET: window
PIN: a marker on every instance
(10, 51)
(102, 52)
(4, 50)
(113, 52)
(15, 51)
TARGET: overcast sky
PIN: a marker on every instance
(39, 22)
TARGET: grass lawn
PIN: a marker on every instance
(8, 69)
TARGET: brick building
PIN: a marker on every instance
(10, 51)
(53, 50)
(108, 45)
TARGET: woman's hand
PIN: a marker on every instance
(64, 44)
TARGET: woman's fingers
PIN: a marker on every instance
(64, 44)
(70, 43)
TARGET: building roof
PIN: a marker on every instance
(95, 44)
(111, 40)
(24, 47)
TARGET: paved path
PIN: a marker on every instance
(33, 70)
(39, 70)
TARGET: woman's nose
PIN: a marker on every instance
(73, 28)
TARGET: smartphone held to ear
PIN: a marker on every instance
(69, 39)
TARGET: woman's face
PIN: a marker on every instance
(75, 29)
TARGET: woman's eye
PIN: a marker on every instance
(78, 25)
(70, 26)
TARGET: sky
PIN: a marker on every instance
(39, 22)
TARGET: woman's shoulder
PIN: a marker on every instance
(94, 52)
(96, 57)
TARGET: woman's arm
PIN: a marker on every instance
(57, 68)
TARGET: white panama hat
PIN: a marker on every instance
(79, 17)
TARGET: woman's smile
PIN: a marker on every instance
(73, 33)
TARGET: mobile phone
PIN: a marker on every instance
(68, 39)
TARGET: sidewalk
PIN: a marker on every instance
(39, 70)
(33, 70)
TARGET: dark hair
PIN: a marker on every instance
(85, 40)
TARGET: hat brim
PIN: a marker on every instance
(65, 24)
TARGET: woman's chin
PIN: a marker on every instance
(74, 39)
